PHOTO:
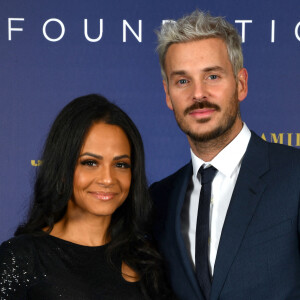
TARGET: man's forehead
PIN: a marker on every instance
(209, 52)
(195, 43)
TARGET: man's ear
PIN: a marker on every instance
(242, 80)
(168, 99)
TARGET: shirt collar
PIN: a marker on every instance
(229, 158)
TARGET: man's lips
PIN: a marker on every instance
(202, 109)
(202, 113)
(105, 196)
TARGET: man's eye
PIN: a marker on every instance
(182, 81)
(213, 77)
(123, 165)
(89, 163)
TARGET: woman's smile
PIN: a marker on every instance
(102, 176)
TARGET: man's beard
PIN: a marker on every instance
(230, 116)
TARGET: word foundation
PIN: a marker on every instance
(15, 25)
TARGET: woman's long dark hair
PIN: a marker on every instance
(130, 224)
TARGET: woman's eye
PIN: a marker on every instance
(89, 163)
(123, 165)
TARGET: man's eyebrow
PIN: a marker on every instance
(179, 72)
(101, 157)
(214, 68)
(207, 69)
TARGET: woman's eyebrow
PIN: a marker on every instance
(121, 156)
(101, 157)
(91, 154)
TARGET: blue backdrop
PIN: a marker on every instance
(48, 57)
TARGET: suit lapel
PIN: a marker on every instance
(246, 195)
(179, 189)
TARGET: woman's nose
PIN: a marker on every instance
(105, 176)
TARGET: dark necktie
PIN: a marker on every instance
(202, 230)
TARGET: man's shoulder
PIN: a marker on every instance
(279, 152)
(168, 181)
(272, 159)
(288, 151)
(164, 195)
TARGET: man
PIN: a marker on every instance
(232, 234)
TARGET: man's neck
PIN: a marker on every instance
(209, 149)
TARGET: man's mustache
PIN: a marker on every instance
(201, 105)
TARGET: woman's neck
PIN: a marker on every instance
(83, 229)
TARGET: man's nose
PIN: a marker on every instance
(199, 91)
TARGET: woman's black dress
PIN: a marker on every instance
(47, 268)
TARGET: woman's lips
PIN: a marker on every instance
(105, 196)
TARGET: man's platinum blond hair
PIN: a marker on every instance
(198, 26)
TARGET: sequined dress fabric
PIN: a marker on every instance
(48, 268)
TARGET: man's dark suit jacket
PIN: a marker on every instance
(258, 256)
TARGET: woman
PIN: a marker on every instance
(86, 233)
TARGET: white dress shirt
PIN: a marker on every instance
(228, 164)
